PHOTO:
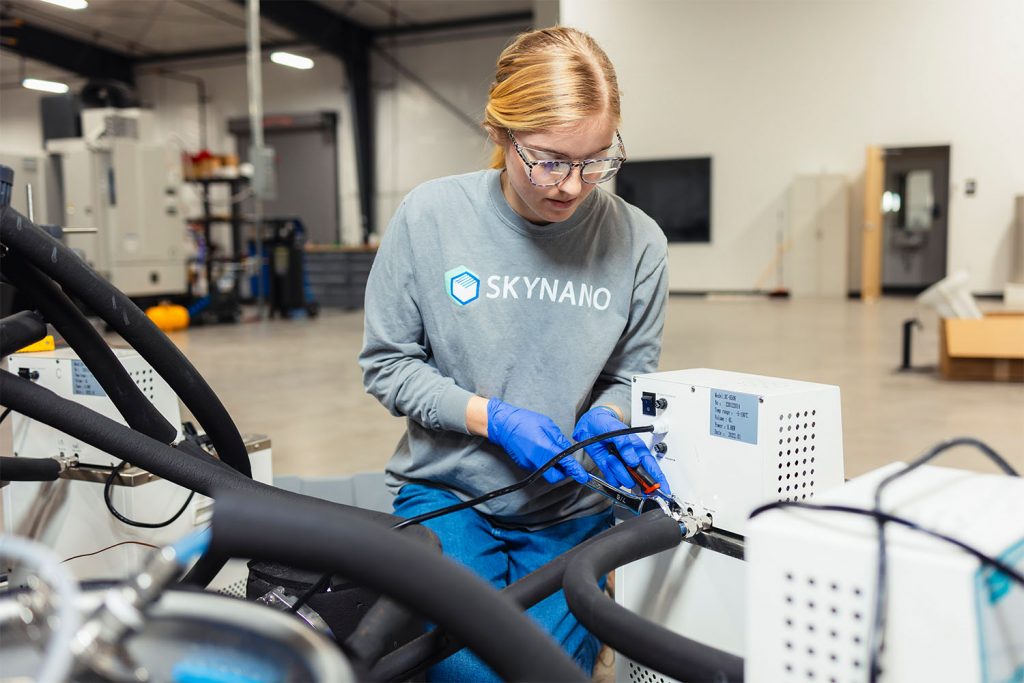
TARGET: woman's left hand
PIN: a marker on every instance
(630, 447)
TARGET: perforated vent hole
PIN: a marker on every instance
(824, 628)
(234, 590)
(641, 674)
(144, 380)
(797, 460)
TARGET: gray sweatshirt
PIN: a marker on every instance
(466, 297)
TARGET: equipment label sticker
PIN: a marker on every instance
(83, 383)
(734, 416)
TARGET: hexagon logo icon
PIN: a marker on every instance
(462, 285)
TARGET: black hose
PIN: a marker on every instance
(375, 633)
(23, 237)
(432, 647)
(641, 640)
(378, 557)
(202, 474)
(19, 330)
(28, 469)
(138, 411)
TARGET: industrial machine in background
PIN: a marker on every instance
(120, 179)
(75, 514)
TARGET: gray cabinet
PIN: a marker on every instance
(337, 276)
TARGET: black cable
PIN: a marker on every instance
(876, 642)
(522, 483)
(883, 518)
(108, 499)
(310, 592)
(3, 416)
(888, 518)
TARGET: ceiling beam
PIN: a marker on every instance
(70, 54)
(214, 52)
(317, 25)
(451, 24)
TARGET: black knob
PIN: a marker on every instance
(660, 447)
(661, 404)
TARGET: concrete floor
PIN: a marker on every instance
(298, 381)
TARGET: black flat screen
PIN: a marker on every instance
(674, 192)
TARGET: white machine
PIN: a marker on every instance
(948, 619)
(70, 515)
(63, 373)
(121, 181)
(728, 442)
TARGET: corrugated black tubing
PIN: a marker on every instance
(381, 558)
(138, 411)
(26, 239)
(639, 639)
(375, 633)
(28, 469)
(430, 648)
(200, 473)
(19, 330)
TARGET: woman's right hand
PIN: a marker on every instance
(531, 439)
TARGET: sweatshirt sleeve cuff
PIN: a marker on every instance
(615, 395)
(451, 409)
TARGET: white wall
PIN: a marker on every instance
(417, 138)
(777, 88)
(285, 90)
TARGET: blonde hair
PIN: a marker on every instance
(547, 78)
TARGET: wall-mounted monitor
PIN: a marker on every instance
(674, 192)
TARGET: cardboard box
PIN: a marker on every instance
(989, 348)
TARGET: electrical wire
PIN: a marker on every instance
(522, 483)
(877, 638)
(3, 416)
(109, 547)
(108, 499)
(888, 518)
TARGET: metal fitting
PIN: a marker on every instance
(98, 646)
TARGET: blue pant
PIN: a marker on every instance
(502, 556)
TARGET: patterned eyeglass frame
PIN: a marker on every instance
(572, 164)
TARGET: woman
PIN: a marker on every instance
(509, 308)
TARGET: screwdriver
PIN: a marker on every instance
(640, 475)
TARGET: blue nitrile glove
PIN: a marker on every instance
(631, 448)
(531, 439)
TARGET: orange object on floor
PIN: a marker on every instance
(168, 317)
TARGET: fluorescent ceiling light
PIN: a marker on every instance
(45, 86)
(288, 59)
(69, 4)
